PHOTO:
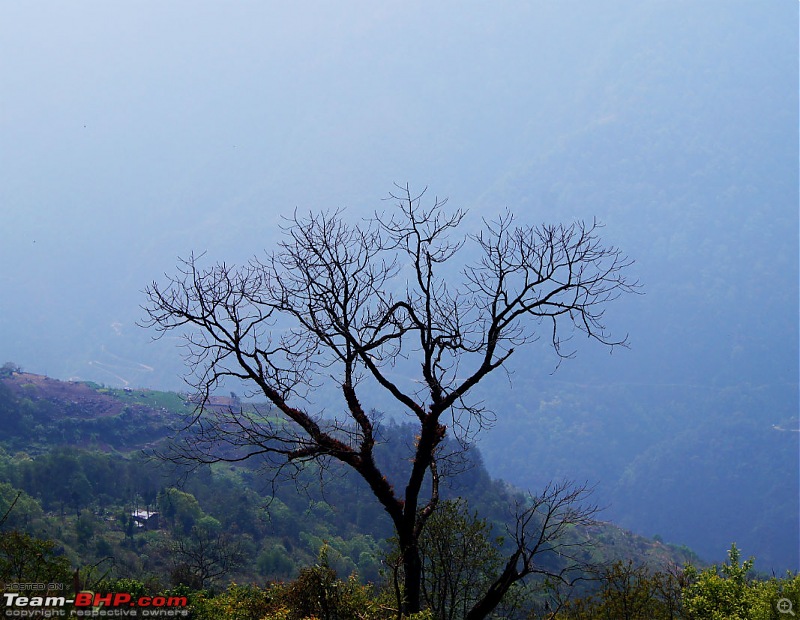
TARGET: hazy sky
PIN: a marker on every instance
(132, 133)
(136, 132)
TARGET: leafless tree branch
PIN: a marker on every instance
(544, 541)
(350, 302)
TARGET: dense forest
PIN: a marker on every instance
(80, 486)
(654, 452)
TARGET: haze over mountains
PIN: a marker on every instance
(134, 134)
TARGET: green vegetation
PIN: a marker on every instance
(727, 592)
(460, 559)
(156, 399)
(624, 591)
(242, 550)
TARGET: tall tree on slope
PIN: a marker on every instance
(351, 302)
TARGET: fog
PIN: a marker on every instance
(135, 133)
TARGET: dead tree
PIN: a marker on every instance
(543, 543)
(204, 555)
(348, 303)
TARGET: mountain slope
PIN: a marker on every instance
(83, 478)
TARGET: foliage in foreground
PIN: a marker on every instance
(625, 591)
(727, 592)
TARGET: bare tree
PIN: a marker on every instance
(543, 543)
(204, 555)
(349, 303)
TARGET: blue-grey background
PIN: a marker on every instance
(132, 133)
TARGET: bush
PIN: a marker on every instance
(238, 603)
(317, 593)
(24, 558)
(727, 592)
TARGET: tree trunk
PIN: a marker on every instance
(482, 608)
(412, 580)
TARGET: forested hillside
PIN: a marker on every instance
(81, 459)
(78, 492)
(695, 466)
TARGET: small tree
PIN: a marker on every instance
(632, 592)
(24, 558)
(544, 542)
(205, 554)
(180, 509)
(9, 369)
(459, 559)
(354, 302)
(725, 591)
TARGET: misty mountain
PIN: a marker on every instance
(673, 123)
(694, 172)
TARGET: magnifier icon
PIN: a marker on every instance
(785, 606)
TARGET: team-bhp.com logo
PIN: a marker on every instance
(92, 604)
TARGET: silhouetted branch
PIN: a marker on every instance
(544, 543)
(350, 302)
